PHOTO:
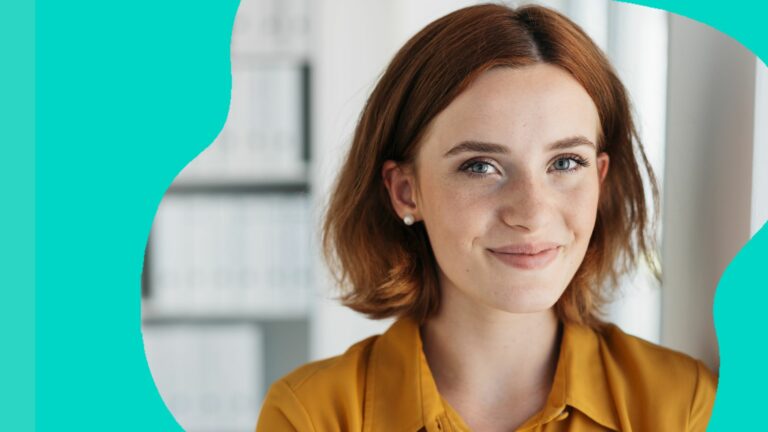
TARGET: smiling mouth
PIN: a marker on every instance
(527, 261)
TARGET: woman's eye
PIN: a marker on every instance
(569, 163)
(478, 168)
(564, 164)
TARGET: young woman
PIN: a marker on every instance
(492, 196)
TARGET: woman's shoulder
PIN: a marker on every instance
(330, 371)
(644, 360)
(317, 391)
(646, 374)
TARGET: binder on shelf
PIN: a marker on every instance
(269, 27)
(262, 138)
(227, 254)
(210, 376)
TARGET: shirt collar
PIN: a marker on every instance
(586, 378)
(400, 392)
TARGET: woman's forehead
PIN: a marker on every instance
(533, 106)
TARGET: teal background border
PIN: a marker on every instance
(101, 104)
(17, 215)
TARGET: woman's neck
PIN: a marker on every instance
(489, 362)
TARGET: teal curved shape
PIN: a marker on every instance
(740, 325)
(743, 20)
(127, 93)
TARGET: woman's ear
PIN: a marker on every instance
(602, 166)
(401, 185)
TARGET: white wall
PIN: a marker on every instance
(641, 63)
(708, 175)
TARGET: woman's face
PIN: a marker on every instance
(507, 183)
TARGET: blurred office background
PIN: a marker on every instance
(235, 293)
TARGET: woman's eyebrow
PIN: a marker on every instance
(570, 142)
(487, 147)
(476, 146)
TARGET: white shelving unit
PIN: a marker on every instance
(228, 273)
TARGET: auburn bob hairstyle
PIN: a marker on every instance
(387, 269)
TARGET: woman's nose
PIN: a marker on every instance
(524, 204)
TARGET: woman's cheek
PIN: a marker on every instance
(582, 206)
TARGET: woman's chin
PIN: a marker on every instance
(524, 303)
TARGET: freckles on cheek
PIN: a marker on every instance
(581, 208)
(578, 199)
(457, 221)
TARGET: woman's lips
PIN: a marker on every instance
(525, 261)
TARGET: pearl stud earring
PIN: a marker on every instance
(408, 219)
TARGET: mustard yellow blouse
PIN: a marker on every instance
(603, 381)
